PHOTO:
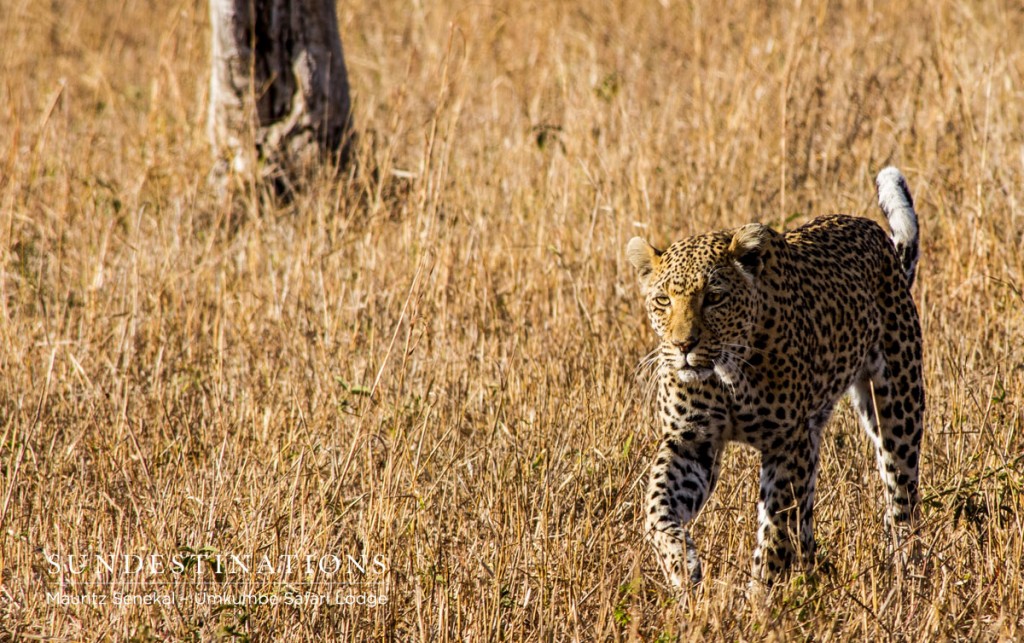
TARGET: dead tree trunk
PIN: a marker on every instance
(279, 91)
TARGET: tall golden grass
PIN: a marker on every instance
(433, 356)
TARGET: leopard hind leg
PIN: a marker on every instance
(889, 400)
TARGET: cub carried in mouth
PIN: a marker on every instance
(761, 334)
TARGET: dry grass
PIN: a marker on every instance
(436, 362)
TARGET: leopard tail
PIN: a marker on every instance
(897, 204)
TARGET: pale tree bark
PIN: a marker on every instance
(279, 90)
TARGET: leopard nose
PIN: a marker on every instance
(686, 345)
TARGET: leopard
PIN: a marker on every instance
(761, 333)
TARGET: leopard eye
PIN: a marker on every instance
(662, 300)
(714, 297)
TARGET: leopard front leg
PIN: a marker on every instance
(785, 508)
(682, 477)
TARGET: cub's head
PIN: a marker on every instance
(703, 298)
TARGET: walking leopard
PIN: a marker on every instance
(761, 333)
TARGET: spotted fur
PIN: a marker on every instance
(761, 334)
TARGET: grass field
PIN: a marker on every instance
(433, 357)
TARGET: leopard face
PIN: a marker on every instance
(703, 299)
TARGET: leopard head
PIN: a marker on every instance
(704, 299)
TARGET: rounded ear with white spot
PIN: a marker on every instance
(645, 259)
(748, 247)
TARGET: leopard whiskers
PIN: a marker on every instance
(646, 373)
(746, 348)
(647, 362)
(717, 364)
(734, 355)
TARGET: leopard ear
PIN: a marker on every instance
(748, 248)
(645, 259)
